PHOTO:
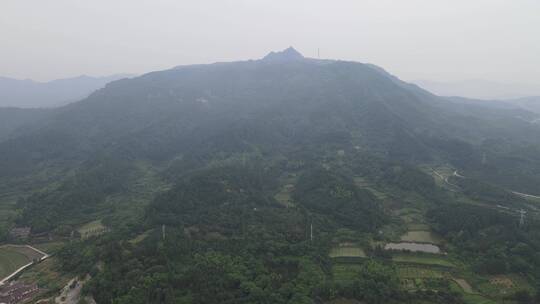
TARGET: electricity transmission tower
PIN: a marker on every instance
(163, 231)
(522, 217)
(311, 232)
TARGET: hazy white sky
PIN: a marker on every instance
(443, 40)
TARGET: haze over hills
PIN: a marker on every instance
(529, 103)
(480, 89)
(31, 94)
(516, 96)
(232, 182)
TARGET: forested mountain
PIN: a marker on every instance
(280, 102)
(32, 94)
(13, 118)
(230, 182)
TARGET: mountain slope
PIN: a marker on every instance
(12, 119)
(280, 103)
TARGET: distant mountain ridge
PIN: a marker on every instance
(32, 94)
(531, 103)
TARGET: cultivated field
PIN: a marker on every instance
(13, 257)
(421, 237)
(502, 285)
(347, 251)
(422, 259)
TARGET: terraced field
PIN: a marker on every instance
(502, 285)
(423, 259)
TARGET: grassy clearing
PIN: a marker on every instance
(347, 251)
(10, 260)
(284, 195)
(423, 259)
(421, 237)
